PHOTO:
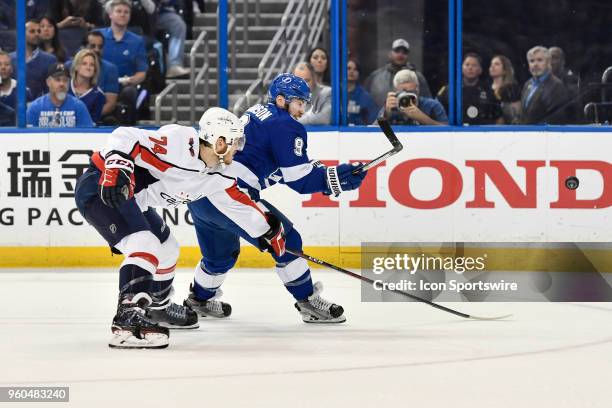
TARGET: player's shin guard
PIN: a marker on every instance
(132, 329)
(135, 276)
(163, 311)
(295, 275)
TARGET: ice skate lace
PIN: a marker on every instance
(214, 306)
(319, 303)
(177, 311)
(135, 315)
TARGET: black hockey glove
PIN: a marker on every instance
(273, 241)
(340, 178)
(117, 180)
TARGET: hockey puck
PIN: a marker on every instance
(572, 182)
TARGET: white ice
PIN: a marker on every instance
(56, 325)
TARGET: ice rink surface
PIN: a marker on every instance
(56, 325)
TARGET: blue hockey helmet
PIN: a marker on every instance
(290, 86)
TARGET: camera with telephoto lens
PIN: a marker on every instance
(405, 99)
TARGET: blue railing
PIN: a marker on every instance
(339, 56)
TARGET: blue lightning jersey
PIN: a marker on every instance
(275, 152)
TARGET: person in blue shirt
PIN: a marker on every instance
(8, 85)
(108, 80)
(37, 61)
(412, 109)
(362, 109)
(57, 108)
(127, 51)
(276, 151)
(84, 72)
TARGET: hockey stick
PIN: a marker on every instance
(399, 292)
(397, 147)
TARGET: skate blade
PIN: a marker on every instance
(208, 314)
(173, 327)
(314, 320)
(126, 340)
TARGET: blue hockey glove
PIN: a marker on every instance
(340, 178)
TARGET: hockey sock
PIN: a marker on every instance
(301, 287)
(206, 283)
(295, 275)
(161, 289)
(134, 279)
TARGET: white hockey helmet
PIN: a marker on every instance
(219, 122)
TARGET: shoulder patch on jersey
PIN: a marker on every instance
(298, 146)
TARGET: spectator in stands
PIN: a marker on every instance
(49, 39)
(405, 105)
(319, 59)
(57, 108)
(480, 107)
(108, 79)
(380, 82)
(319, 110)
(361, 107)
(7, 115)
(86, 14)
(505, 88)
(8, 98)
(8, 85)
(169, 21)
(557, 63)
(544, 97)
(127, 51)
(37, 61)
(84, 73)
(143, 16)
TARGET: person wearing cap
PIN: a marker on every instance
(381, 81)
(57, 108)
(419, 110)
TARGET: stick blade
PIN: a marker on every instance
(503, 317)
(390, 134)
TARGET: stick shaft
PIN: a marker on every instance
(370, 281)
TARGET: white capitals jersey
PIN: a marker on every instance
(169, 173)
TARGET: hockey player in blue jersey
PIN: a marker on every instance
(275, 152)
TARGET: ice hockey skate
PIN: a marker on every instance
(316, 309)
(168, 314)
(210, 307)
(132, 329)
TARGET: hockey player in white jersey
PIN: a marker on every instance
(140, 169)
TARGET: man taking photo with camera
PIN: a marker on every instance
(406, 107)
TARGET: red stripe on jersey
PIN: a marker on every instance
(135, 151)
(98, 161)
(239, 196)
(166, 270)
(146, 256)
(154, 161)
